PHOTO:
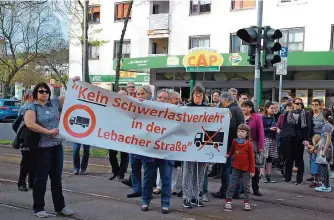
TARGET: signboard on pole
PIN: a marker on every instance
(282, 67)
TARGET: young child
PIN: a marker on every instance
(243, 165)
(315, 168)
(325, 151)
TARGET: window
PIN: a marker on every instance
(332, 38)
(155, 9)
(93, 52)
(236, 45)
(199, 41)
(126, 49)
(293, 39)
(94, 14)
(200, 6)
(243, 4)
(121, 10)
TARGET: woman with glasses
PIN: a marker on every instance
(296, 124)
(42, 117)
(193, 172)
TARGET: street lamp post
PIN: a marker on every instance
(85, 74)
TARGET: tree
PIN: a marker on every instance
(28, 30)
(73, 13)
(56, 62)
(120, 49)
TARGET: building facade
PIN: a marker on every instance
(160, 34)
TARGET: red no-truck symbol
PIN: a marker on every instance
(210, 139)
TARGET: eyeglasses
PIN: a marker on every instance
(298, 103)
(43, 92)
(161, 97)
(315, 104)
(131, 87)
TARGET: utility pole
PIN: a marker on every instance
(85, 74)
(257, 78)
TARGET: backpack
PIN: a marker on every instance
(16, 124)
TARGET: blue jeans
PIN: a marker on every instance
(225, 176)
(206, 181)
(49, 163)
(135, 174)
(76, 157)
(150, 173)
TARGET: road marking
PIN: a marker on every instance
(65, 161)
(131, 201)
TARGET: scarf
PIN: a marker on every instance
(295, 115)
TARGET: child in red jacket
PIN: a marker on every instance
(243, 165)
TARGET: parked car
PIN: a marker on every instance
(9, 108)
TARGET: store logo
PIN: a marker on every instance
(173, 61)
(235, 59)
(203, 60)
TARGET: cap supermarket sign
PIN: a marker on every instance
(203, 60)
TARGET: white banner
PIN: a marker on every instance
(97, 117)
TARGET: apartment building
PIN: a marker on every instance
(161, 33)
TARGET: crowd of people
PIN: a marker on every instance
(256, 142)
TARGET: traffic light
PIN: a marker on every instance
(249, 36)
(270, 46)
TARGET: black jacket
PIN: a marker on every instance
(310, 125)
(236, 119)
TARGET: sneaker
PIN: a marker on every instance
(76, 172)
(269, 179)
(165, 210)
(23, 188)
(247, 207)
(83, 172)
(331, 175)
(157, 191)
(298, 183)
(144, 208)
(311, 179)
(197, 202)
(257, 193)
(264, 179)
(287, 181)
(205, 197)
(66, 211)
(187, 203)
(313, 185)
(323, 189)
(228, 206)
(42, 214)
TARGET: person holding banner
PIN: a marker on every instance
(174, 98)
(193, 172)
(118, 170)
(42, 117)
(150, 173)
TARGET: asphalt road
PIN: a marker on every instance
(95, 197)
(6, 131)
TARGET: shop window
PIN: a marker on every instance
(93, 52)
(293, 39)
(200, 6)
(121, 10)
(242, 4)
(332, 38)
(126, 48)
(236, 45)
(199, 41)
(94, 14)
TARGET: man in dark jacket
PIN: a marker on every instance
(237, 118)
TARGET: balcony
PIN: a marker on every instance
(159, 25)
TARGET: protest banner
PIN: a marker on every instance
(98, 117)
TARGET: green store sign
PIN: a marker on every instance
(111, 78)
(230, 60)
